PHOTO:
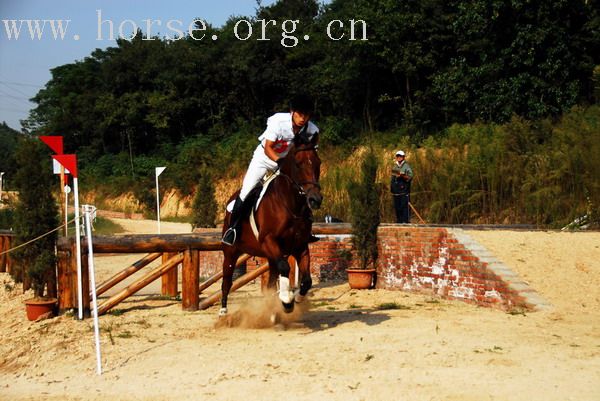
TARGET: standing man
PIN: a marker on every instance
(274, 145)
(402, 175)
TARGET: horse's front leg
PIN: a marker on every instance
(279, 260)
(286, 295)
(303, 260)
(229, 261)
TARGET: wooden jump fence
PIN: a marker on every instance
(174, 249)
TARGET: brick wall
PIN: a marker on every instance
(411, 258)
(430, 259)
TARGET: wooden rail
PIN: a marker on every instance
(138, 285)
(240, 282)
(175, 249)
(123, 274)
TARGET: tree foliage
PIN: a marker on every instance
(427, 66)
(364, 211)
(204, 206)
(36, 214)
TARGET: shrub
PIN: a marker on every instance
(364, 210)
(36, 213)
(204, 206)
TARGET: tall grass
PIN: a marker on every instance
(544, 173)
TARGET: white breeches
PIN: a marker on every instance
(257, 169)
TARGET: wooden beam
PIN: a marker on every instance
(332, 228)
(123, 274)
(148, 243)
(138, 285)
(240, 282)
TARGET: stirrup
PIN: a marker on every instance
(229, 237)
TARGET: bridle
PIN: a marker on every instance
(300, 185)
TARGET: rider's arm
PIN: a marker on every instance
(270, 150)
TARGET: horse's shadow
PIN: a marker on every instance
(318, 320)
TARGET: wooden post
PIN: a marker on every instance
(3, 248)
(5, 244)
(8, 245)
(138, 285)
(240, 282)
(67, 284)
(85, 282)
(190, 291)
(169, 279)
(123, 274)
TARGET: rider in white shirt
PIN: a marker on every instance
(275, 142)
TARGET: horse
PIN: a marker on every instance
(284, 222)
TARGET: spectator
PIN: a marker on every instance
(402, 175)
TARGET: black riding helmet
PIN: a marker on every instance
(302, 103)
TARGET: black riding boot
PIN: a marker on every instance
(234, 223)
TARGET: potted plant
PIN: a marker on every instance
(365, 217)
(36, 215)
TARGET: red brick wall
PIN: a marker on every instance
(411, 258)
(429, 259)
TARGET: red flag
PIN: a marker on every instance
(69, 162)
(54, 142)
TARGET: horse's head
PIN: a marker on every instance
(303, 166)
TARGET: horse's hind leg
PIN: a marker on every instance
(229, 261)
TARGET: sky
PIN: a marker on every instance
(25, 63)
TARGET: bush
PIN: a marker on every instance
(36, 214)
(7, 217)
(204, 206)
(364, 210)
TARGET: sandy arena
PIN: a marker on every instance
(345, 345)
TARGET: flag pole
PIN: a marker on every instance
(78, 242)
(158, 171)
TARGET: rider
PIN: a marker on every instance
(275, 142)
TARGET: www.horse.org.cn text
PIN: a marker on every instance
(287, 31)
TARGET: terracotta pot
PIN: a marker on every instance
(360, 279)
(35, 307)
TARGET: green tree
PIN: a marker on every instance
(204, 206)
(365, 211)
(36, 214)
(8, 144)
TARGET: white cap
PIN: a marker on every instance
(400, 153)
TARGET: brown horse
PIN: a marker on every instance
(284, 222)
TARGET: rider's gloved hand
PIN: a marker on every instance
(279, 162)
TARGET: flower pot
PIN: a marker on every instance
(35, 307)
(360, 279)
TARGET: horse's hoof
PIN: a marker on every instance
(286, 297)
(298, 298)
(222, 312)
(288, 308)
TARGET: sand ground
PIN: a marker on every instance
(344, 345)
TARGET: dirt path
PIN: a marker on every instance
(346, 346)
